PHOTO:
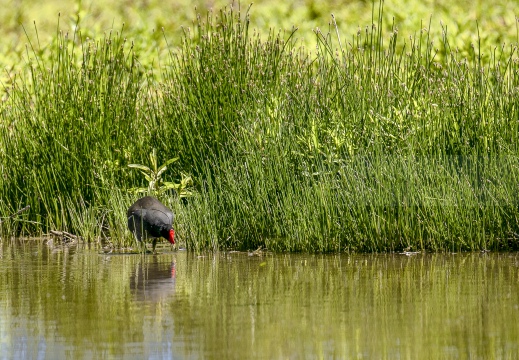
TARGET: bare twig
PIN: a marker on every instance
(257, 252)
(16, 213)
(64, 235)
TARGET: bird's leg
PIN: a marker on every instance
(143, 246)
(154, 244)
(141, 243)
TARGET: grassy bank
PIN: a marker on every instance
(372, 142)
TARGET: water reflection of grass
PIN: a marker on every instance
(230, 306)
(377, 142)
(343, 306)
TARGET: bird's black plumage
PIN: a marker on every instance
(148, 218)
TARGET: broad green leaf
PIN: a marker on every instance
(187, 180)
(185, 194)
(141, 167)
(162, 169)
(165, 166)
(153, 159)
(170, 161)
(171, 185)
(138, 190)
(147, 176)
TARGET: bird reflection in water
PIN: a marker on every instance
(153, 281)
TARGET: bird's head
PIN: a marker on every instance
(171, 236)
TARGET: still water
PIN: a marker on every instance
(66, 302)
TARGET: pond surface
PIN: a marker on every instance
(64, 302)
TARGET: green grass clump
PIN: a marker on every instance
(370, 143)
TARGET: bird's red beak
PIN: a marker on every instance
(172, 236)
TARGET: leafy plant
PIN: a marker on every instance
(156, 185)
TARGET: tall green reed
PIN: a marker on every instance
(68, 124)
(368, 143)
(285, 169)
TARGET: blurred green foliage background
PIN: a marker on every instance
(146, 18)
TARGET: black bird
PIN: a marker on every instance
(148, 218)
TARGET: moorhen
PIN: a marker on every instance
(148, 218)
